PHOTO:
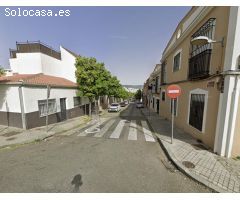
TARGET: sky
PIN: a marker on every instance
(129, 40)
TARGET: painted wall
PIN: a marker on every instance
(33, 63)
(31, 96)
(183, 44)
(9, 99)
(26, 63)
(221, 30)
(181, 120)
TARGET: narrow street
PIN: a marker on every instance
(124, 156)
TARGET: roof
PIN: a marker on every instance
(37, 80)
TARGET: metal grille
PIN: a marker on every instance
(196, 110)
(77, 101)
(208, 30)
(42, 105)
(199, 65)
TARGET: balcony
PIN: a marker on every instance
(199, 65)
(34, 47)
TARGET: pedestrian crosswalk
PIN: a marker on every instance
(132, 130)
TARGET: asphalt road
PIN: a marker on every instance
(123, 157)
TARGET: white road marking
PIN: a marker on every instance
(132, 131)
(147, 133)
(105, 128)
(117, 131)
(85, 133)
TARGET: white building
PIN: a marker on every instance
(23, 92)
(36, 57)
(23, 101)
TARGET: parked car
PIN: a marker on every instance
(139, 105)
(126, 102)
(123, 104)
(115, 107)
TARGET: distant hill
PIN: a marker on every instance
(133, 86)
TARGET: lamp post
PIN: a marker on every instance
(203, 40)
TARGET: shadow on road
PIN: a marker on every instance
(77, 182)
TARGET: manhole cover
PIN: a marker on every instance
(188, 164)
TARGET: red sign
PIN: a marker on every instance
(174, 91)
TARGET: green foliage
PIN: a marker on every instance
(2, 72)
(138, 94)
(94, 80)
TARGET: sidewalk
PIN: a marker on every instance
(15, 136)
(192, 158)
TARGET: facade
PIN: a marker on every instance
(36, 57)
(23, 100)
(35, 67)
(208, 75)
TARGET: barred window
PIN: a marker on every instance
(208, 30)
(42, 106)
(77, 101)
(197, 104)
(163, 95)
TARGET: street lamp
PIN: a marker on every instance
(202, 40)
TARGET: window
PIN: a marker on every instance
(163, 73)
(200, 55)
(196, 110)
(153, 102)
(77, 101)
(163, 95)
(175, 106)
(42, 106)
(176, 62)
(157, 84)
(206, 29)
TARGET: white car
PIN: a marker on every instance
(139, 105)
(115, 107)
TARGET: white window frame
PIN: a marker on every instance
(199, 91)
(176, 107)
(180, 60)
(45, 102)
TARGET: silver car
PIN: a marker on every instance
(115, 107)
(139, 105)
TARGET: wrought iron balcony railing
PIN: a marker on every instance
(199, 65)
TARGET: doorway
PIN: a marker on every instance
(63, 109)
(158, 106)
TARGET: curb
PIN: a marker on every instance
(180, 167)
(40, 138)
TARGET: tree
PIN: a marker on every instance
(138, 94)
(2, 72)
(92, 78)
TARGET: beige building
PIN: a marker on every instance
(202, 57)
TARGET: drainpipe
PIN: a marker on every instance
(20, 91)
